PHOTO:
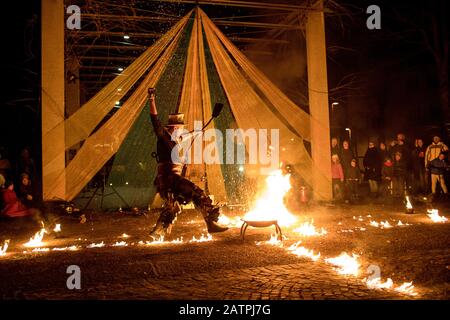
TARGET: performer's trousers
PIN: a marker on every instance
(175, 189)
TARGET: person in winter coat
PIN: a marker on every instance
(418, 166)
(387, 173)
(346, 156)
(399, 175)
(12, 207)
(434, 150)
(352, 179)
(372, 167)
(438, 167)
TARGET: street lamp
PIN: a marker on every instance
(349, 133)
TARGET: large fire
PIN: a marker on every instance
(270, 206)
(433, 214)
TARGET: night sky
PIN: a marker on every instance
(395, 74)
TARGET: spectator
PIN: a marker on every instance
(438, 166)
(399, 175)
(346, 156)
(372, 166)
(352, 179)
(387, 173)
(335, 146)
(12, 207)
(26, 164)
(402, 147)
(25, 193)
(418, 165)
(384, 153)
(5, 165)
(434, 150)
(337, 175)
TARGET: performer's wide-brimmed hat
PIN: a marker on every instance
(175, 119)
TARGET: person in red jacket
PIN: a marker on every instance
(12, 207)
(337, 176)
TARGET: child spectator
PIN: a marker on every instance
(25, 192)
(337, 175)
(387, 172)
(352, 179)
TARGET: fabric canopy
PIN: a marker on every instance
(253, 100)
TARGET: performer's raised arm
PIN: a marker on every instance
(151, 98)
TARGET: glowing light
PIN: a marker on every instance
(408, 203)
(4, 248)
(71, 248)
(347, 265)
(120, 69)
(308, 229)
(233, 222)
(303, 252)
(57, 228)
(124, 235)
(270, 206)
(400, 223)
(126, 37)
(374, 224)
(40, 250)
(433, 214)
(376, 283)
(385, 224)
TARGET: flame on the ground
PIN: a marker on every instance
(303, 252)
(376, 283)
(433, 214)
(160, 241)
(36, 240)
(120, 244)
(400, 223)
(348, 265)
(385, 224)
(270, 206)
(202, 238)
(4, 248)
(40, 250)
(124, 235)
(57, 228)
(274, 241)
(235, 222)
(71, 248)
(96, 245)
(374, 224)
(308, 229)
(407, 288)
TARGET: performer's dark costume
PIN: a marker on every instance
(175, 189)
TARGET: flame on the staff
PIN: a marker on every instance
(270, 206)
(433, 214)
(303, 252)
(408, 203)
(308, 229)
(202, 238)
(274, 241)
(347, 265)
(36, 240)
(120, 244)
(57, 228)
(96, 245)
(4, 248)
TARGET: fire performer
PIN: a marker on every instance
(171, 185)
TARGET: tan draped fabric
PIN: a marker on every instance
(196, 105)
(291, 113)
(104, 143)
(81, 124)
(250, 110)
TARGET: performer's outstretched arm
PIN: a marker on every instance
(151, 98)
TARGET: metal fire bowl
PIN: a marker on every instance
(261, 224)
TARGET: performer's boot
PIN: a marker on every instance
(165, 221)
(211, 221)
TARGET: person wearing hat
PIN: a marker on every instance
(173, 188)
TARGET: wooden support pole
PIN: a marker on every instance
(52, 92)
(318, 103)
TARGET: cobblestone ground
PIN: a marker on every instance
(228, 268)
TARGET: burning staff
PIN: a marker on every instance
(171, 185)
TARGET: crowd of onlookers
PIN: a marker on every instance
(17, 189)
(391, 170)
